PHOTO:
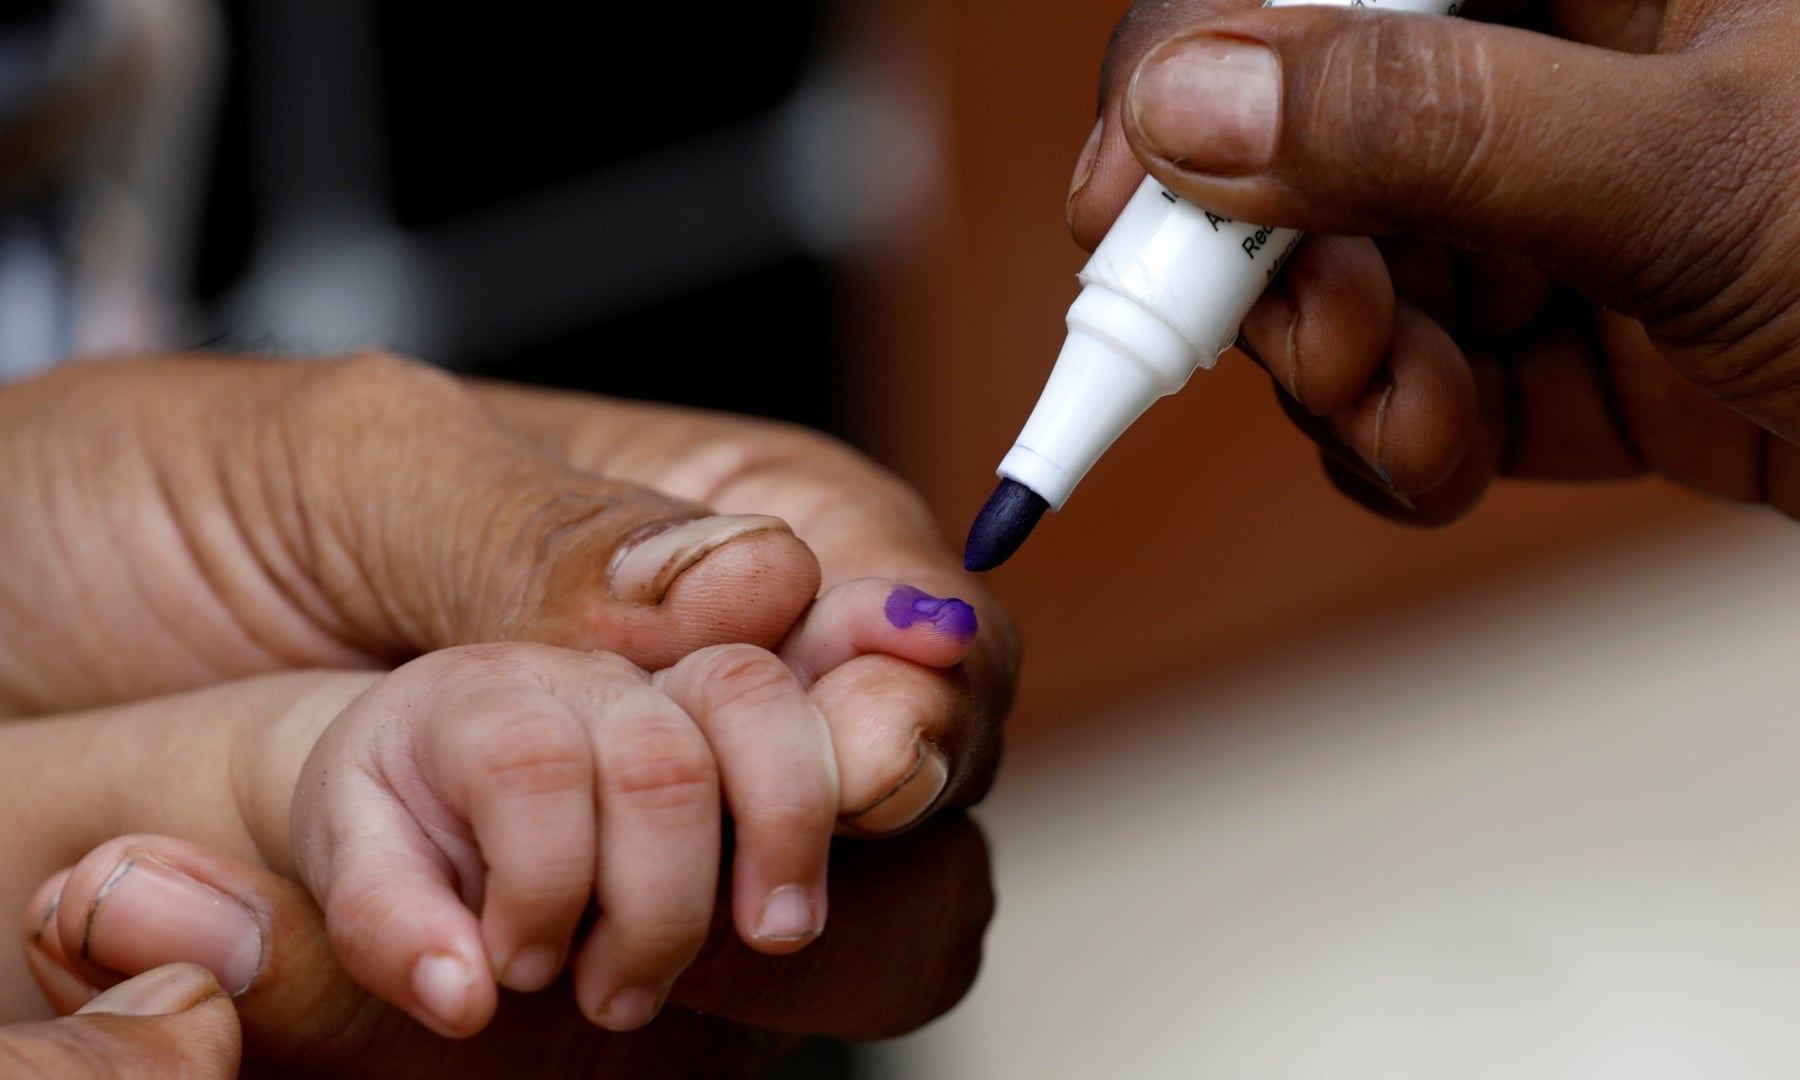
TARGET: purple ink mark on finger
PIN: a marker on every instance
(907, 605)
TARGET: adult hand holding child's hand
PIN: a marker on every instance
(182, 524)
(177, 524)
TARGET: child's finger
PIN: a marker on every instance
(779, 776)
(895, 729)
(658, 862)
(518, 765)
(390, 901)
(874, 615)
(874, 652)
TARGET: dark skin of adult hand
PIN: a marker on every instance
(1586, 211)
(170, 1021)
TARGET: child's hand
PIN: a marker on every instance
(865, 650)
(456, 819)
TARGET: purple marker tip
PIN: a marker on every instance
(1012, 511)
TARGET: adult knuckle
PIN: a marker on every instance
(382, 393)
(382, 373)
(1715, 274)
(1406, 79)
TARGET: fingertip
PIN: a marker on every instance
(909, 800)
(40, 913)
(1112, 175)
(1325, 328)
(628, 1008)
(878, 616)
(620, 998)
(1417, 422)
(650, 561)
(531, 968)
(399, 927)
(896, 733)
(450, 994)
(785, 920)
(947, 617)
(62, 986)
(750, 589)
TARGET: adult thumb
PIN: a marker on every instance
(421, 522)
(1621, 174)
(170, 1021)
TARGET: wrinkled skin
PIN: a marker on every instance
(1586, 221)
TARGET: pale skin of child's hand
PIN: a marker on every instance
(458, 819)
(219, 767)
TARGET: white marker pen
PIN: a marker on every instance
(1163, 294)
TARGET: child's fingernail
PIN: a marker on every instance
(629, 1009)
(50, 895)
(161, 991)
(1084, 170)
(1209, 104)
(59, 982)
(787, 915)
(532, 968)
(906, 606)
(911, 797)
(643, 570)
(441, 983)
(149, 914)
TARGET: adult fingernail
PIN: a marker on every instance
(629, 1009)
(1084, 169)
(1347, 427)
(1209, 104)
(644, 570)
(911, 797)
(788, 915)
(532, 968)
(441, 984)
(161, 991)
(149, 914)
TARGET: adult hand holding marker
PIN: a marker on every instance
(1588, 270)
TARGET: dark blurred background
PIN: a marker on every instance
(575, 197)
